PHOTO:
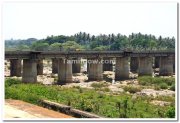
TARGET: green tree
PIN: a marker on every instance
(40, 46)
(101, 48)
(152, 44)
(22, 47)
(55, 46)
(71, 45)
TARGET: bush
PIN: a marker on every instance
(105, 89)
(157, 88)
(172, 87)
(145, 80)
(98, 85)
(171, 112)
(163, 86)
(132, 89)
(10, 81)
(157, 81)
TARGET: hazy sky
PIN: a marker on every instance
(39, 20)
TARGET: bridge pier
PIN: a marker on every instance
(174, 64)
(39, 67)
(54, 66)
(166, 66)
(95, 70)
(29, 71)
(107, 66)
(156, 62)
(121, 68)
(76, 65)
(134, 63)
(64, 71)
(145, 66)
(15, 67)
(87, 66)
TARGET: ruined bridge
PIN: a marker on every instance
(140, 62)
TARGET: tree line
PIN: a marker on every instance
(85, 41)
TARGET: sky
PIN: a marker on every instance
(22, 20)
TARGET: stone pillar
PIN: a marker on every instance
(15, 67)
(29, 70)
(134, 63)
(107, 66)
(39, 67)
(121, 68)
(64, 71)
(76, 65)
(174, 60)
(54, 66)
(156, 62)
(87, 66)
(95, 70)
(145, 66)
(166, 66)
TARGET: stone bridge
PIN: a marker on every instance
(140, 62)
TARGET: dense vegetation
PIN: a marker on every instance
(85, 41)
(119, 106)
(158, 82)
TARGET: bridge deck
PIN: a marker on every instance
(85, 54)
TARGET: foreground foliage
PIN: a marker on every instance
(119, 106)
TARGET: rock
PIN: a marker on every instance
(108, 76)
(76, 80)
(133, 75)
(114, 88)
(154, 93)
(45, 79)
(84, 72)
(80, 78)
(160, 103)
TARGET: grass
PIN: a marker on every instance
(99, 85)
(157, 82)
(132, 89)
(119, 106)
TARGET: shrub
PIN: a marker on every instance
(172, 87)
(169, 81)
(98, 85)
(132, 89)
(163, 86)
(145, 80)
(10, 81)
(148, 80)
(170, 112)
(105, 89)
(157, 88)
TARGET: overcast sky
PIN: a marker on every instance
(39, 20)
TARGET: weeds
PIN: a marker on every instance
(132, 89)
(120, 105)
(159, 83)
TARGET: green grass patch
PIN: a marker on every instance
(113, 106)
(158, 82)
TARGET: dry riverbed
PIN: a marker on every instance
(108, 85)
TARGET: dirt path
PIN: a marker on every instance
(20, 109)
